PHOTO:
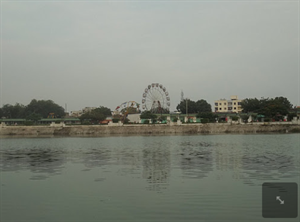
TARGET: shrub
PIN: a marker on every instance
(267, 119)
(148, 115)
(28, 123)
(115, 120)
(235, 118)
(162, 118)
(175, 119)
(205, 120)
(126, 121)
(208, 115)
(254, 116)
(146, 121)
(245, 118)
(190, 121)
(291, 116)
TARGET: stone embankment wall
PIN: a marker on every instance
(139, 129)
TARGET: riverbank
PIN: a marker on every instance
(139, 129)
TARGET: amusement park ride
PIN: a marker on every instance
(126, 108)
(156, 99)
(51, 115)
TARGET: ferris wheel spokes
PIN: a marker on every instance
(156, 99)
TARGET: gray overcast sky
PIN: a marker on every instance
(105, 53)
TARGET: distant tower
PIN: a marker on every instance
(182, 96)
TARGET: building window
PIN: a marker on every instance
(229, 103)
(220, 108)
(220, 104)
(225, 104)
(225, 108)
(216, 104)
(239, 103)
(234, 103)
(229, 108)
(234, 108)
(216, 109)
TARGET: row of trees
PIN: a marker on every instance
(200, 106)
(265, 106)
(269, 107)
(36, 109)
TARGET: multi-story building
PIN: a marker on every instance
(232, 105)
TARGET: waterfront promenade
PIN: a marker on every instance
(151, 129)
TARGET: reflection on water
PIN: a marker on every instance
(95, 157)
(269, 161)
(49, 161)
(156, 167)
(152, 159)
(269, 166)
(196, 159)
(159, 178)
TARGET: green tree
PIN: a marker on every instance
(13, 111)
(43, 108)
(193, 107)
(34, 117)
(203, 106)
(104, 110)
(18, 111)
(7, 111)
(276, 107)
(269, 107)
(96, 115)
(252, 105)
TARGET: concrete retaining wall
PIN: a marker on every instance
(139, 129)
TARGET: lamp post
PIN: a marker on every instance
(186, 101)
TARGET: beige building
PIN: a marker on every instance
(88, 109)
(228, 106)
(80, 112)
(76, 113)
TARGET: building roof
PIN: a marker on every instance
(41, 120)
(12, 120)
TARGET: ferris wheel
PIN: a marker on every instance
(156, 99)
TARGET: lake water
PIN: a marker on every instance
(143, 178)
